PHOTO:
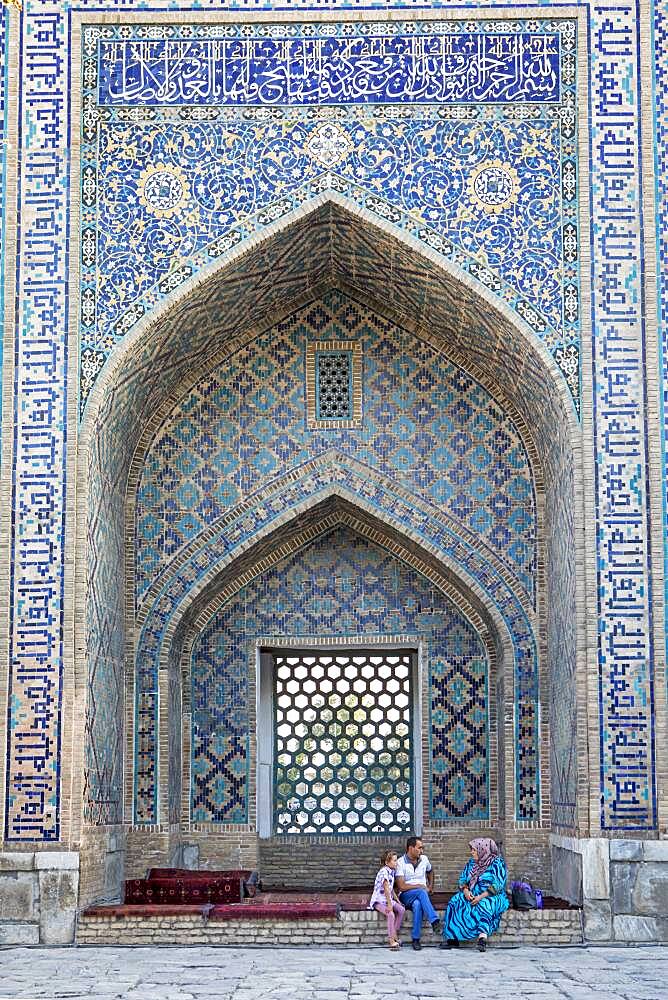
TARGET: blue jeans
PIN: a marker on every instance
(419, 902)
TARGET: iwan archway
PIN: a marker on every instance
(210, 465)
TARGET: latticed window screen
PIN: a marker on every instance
(334, 385)
(343, 742)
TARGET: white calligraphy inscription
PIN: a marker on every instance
(445, 68)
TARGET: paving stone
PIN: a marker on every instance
(246, 974)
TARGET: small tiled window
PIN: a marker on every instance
(334, 384)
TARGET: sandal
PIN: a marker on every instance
(394, 946)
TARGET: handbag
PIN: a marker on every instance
(525, 896)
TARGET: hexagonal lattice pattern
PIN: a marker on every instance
(343, 742)
(334, 382)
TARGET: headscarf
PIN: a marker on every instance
(487, 849)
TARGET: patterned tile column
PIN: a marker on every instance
(40, 419)
(625, 655)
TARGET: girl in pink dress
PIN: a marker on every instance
(384, 899)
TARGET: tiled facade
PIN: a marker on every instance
(171, 231)
(491, 181)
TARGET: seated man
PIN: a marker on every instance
(414, 882)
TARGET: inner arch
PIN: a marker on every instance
(331, 246)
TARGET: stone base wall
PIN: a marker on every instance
(38, 897)
(322, 863)
(102, 865)
(623, 886)
(546, 927)
(326, 863)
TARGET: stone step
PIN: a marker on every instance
(537, 927)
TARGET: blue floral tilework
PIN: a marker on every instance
(166, 189)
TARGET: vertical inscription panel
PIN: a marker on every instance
(38, 497)
(626, 688)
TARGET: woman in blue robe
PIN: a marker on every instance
(475, 909)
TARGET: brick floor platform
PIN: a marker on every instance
(123, 925)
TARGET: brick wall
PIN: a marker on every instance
(547, 927)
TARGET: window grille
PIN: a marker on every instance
(334, 385)
(343, 742)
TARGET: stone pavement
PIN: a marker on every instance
(333, 974)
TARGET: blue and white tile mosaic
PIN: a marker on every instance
(427, 424)
(626, 655)
(40, 445)
(174, 165)
(660, 94)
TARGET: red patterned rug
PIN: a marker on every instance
(254, 910)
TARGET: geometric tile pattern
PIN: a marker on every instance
(459, 745)
(426, 424)
(491, 174)
(39, 668)
(279, 503)
(219, 699)
(341, 584)
(625, 644)
(343, 738)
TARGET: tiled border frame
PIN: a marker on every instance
(656, 213)
(352, 347)
(8, 195)
(626, 481)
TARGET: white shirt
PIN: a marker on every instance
(413, 874)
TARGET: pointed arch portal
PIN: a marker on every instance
(329, 276)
